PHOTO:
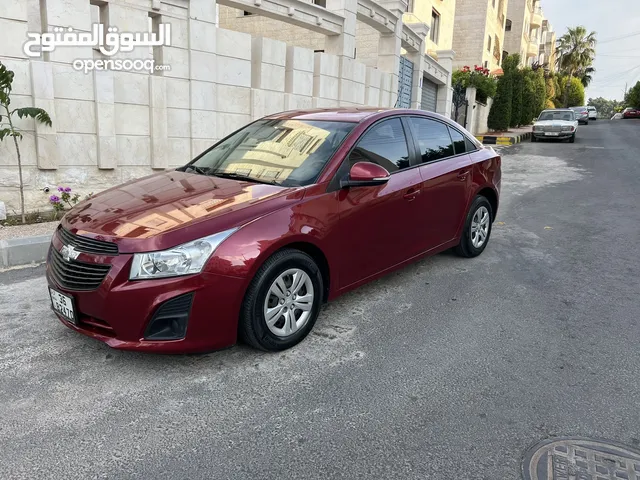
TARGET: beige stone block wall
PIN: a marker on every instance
(260, 26)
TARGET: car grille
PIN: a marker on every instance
(87, 244)
(553, 128)
(76, 275)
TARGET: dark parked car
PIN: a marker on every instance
(252, 236)
(631, 112)
(582, 114)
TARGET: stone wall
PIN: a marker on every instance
(110, 126)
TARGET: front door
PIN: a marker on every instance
(378, 224)
(446, 173)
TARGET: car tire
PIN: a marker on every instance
(586, 123)
(253, 327)
(533, 139)
(468, 246)
(572, 139)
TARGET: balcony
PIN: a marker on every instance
(536, 18)
(532, 50)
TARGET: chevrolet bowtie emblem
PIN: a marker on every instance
(69, 253)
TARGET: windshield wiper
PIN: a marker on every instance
(239, 176)
(195, 168)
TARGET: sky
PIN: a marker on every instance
(617, 24)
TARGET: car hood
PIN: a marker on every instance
(170, 208)
(549, 123)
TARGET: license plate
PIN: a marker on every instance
(63, 304)
(552, 134)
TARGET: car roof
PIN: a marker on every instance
(346, 114)
(557, 110)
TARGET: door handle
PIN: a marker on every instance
(463, 174)
(412, 194)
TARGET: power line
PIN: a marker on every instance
(621, 37)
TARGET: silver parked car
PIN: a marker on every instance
(582, 114)
(593, 113)
(556, 124)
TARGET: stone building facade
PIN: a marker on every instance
(478, 35)
(112, 126)
(529, 34)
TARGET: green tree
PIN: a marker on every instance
(550, 88)
(540, 91)
(516, 103)
(576, 50)
(500, 113)
(606, 108)
(632, 98)
(528, 99)
(7, 129)
(586, 75)
(573, 91)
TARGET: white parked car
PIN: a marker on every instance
(556, 124)
(593, 113)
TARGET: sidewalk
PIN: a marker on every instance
(24, 244)
(510, 137)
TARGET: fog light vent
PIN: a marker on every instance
(170, 320)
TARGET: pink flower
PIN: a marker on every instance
(54, 199)
(67, 189)
(60, 189)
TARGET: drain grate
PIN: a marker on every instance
(577, 458)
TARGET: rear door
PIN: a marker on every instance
(446, 173)
(379, 224)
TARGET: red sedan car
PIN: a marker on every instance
(631, 113)
(254, 234)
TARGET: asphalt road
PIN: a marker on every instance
(448, 369)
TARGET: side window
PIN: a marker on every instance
(433, 139)
(458, 141)
(384, 144)
(470, 145)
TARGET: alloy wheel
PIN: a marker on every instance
(289, 301)
(480, 227)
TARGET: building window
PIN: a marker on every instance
(494, 3)
(507, 25)
(246, 14)
(489, 43)
(486, 64)
(320, 3)
(410, 6)
(435, 26)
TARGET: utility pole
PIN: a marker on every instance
(625, 91)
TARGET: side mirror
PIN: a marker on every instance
(365, 174)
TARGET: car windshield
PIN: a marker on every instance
(281, 152)
(565, 115)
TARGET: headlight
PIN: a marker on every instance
(567, 129)
(537, 128)
(184, 259)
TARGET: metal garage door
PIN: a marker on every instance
(429, 95)
(405, 82)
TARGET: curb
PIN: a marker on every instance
(21, 251)
(494, 140)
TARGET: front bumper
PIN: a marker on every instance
(119, 310)
(561, 135)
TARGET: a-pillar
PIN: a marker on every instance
(445, 92)
(417, 58)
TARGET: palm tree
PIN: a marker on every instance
(586, 75)
(575, 52)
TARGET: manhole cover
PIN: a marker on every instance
(575, 458)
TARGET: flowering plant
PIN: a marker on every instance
(478, 77)
(63, 199)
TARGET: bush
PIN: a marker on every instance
(540, 92)
(528, 100)
(576, 92)
(480, 79)
(516, 104)
(549, 104)
(500, 113)
(550, 89)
